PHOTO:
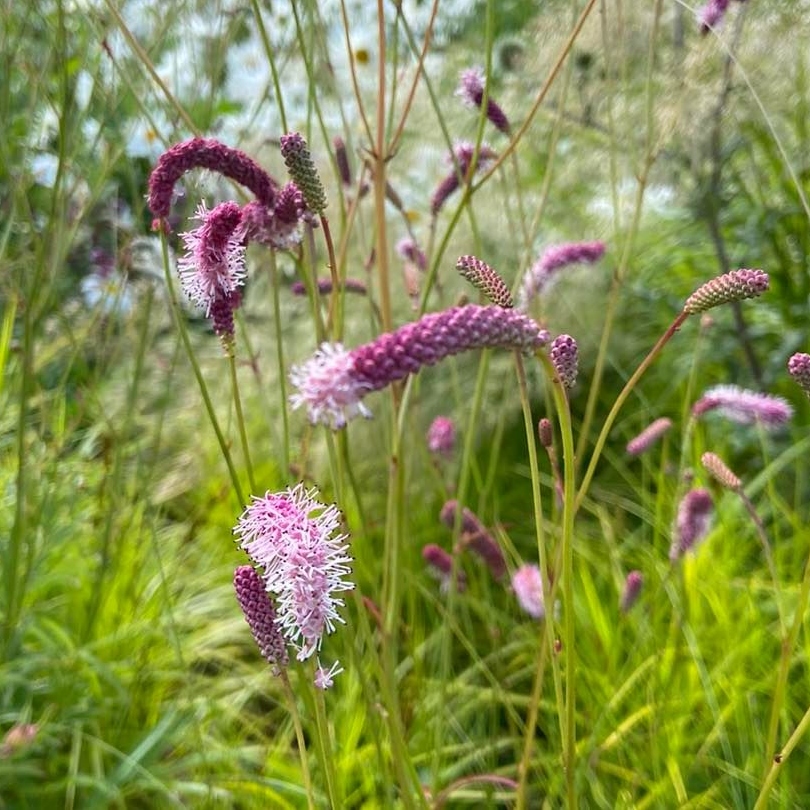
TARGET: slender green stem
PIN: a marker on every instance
(282, 379)
(325, 748)
(269, 53)
(240, 420)
(299, 737)
(779, 759)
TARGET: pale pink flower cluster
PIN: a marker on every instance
(291, 537)
(544, 272)
(651, 434)
(691, 523)
(441, 437)
(527, 583)
(745, 407)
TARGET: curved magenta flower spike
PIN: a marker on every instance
(441, 564)
(527, 583)
(276, 228)
(332, 383)
(475, 535)
(744, 407)
(692, 522)
(540, 276)
(260, 615)
(799, 369)
(734, 286)
(649, 436)
(484, 278)
(291, 537)
(471, 90)
(441, 436)
(720, 471)
(461, 160)
(206, 153)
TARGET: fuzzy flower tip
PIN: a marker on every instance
(332, 383)
(475, 535)
(527, 583)
(540, 276)
(692, 522)
(471, 90)
(631, 591)
(302, 170)
(325, 678)
(260, 615)
(649, 436)
(744, 407)
(484, 278)
(564, 355)
(291, 537)
(799, 369)
(440, 563)
(441, 436)
(214, 265)
(462, 159)
(734, 286)
(206, 153)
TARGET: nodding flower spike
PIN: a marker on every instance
(471, 90)
(485, 279)
(692, 522)
(734, 286)
(260, 615)
(651, 434)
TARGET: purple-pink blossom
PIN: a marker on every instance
(325, 678)
(527, 583)
(631, 590)
(441, 436)
(799, 369)
(736, 285)
(692, 522)
(475, 535)
(471, 90)
(564, 354)
(651, 434)
(462, 161)
(440, 564)
(333, 382)
(260, 615)
(292, 538)
(408, 249)
(539, 277)
(744, 407)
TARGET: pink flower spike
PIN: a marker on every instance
(736, 285)
(441, 437)
(711, 14)
(799, 369)
(332, 383)
(441, 564)
(471, 90)
(461, 159)
(564, 355)
(744, 407)
(632, 589)
(410, 251)
(692, 522)
(260, 615)
(325, 678)
(527, 583)
(214, 265)
(475, 535)
(291, 537)
(543, 272)
(649, 436)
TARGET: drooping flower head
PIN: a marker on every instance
(541, 275)
(408, 249)
(441, 565)
(720, 471)
(475, 535)
(291, 537)
(280, 227)
(441, 437)
(651, 434)
(734, 286)
(260, 615)
(692, 522)
(527, 583)
(564, 355)
(799, 369)
(462, 161)
(213, 269)
(471, 90)
(333, 382)
(484, 278)
(744, 407)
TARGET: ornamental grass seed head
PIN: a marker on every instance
(651, 434)
(734, 286)
(527, 583)
(291, 537)
(691, 523)
(744, 407)
(333, 382)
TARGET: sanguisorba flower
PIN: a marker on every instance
(799, 369)
(564, 355)
(462, 162)
(292, 539)
(441, 436)
(651, 434)
(631, 590)
(539, 277)
(527, 583)
(475, 535)
(744, 407)
(471, 90)
(441, 564)
(692, 522)
(736, 285)
(332, 383)
(484, 278)
(260, 615)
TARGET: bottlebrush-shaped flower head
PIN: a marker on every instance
(540, 276)
(302, 170)
(260, 615)
(475, 535)
(734, 286)
(471, 90)
(462, 161)
(527, 583)
(332, 383)
(441, 564)
(564, 355)
(631, 591)
(692, 522)
(292, 539)
(484, 278)
(409, 250)
(651, 434)
(744, 407)
(441, 436)
(719, 470)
